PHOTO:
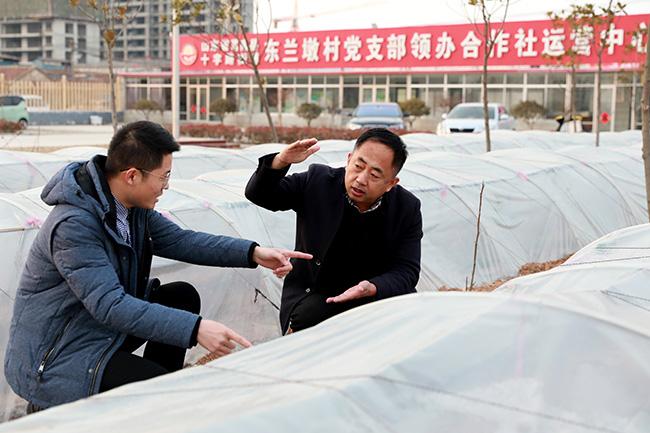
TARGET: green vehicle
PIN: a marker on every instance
(14, 109)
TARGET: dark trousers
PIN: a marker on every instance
(313, 309)
(159, 358)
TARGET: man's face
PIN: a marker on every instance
(148, 186)
(369, 173)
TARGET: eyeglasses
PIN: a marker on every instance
(164, 179)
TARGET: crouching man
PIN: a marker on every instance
(85, 301)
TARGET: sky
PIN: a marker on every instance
(362, 14)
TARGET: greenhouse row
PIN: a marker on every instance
(545, 195)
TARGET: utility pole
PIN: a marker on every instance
(176, 91)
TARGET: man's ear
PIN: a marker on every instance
(394, 181)
(129, 176)
(349, 156)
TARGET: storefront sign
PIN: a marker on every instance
(519, 46)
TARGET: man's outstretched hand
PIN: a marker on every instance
(277, 259)
(361, 290)
(295, 152)
(218, 339)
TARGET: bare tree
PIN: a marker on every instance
(478, 234)
(595, 24)
(230, 23)
(109, 15)
(488, 11)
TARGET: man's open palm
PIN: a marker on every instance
(295, 153)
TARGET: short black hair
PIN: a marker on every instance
(141, 145)
(390, 139)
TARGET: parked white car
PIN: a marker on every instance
(468, 117)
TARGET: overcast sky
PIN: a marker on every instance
(359, 14)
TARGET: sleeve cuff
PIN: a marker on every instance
(194, 339)
(251, 250)
(266, 161)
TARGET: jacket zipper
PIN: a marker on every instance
(99, 363)
(41, 367)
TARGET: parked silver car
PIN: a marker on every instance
(377, 115)
(468, 117)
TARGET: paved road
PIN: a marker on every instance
(49, 138)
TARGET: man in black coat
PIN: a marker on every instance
(362, 228)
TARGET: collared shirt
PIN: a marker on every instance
(123, 221)
(370, 209)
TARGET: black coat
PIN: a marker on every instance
(318, 198)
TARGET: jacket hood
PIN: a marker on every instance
(80, 184)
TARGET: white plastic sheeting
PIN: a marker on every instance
(24, 170)
(538, 205)
(19, 222)
(609, 277)
(431, 362)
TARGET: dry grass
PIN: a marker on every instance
(527, 269)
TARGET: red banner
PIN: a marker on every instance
(522, 45)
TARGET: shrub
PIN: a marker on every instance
(221, 107)
(262, 134)
(212, 130)
(529, 111)
(6, 126)
(146, 106)
(289, 134)
(309, 112)
(414, 108)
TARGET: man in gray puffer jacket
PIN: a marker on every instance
(85, 301)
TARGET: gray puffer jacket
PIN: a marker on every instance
(84, 289)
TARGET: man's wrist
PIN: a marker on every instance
(278, 163)
(371, 287)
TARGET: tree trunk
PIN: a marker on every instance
(260, 83)
(486, 113)
(645, 122)
(111, 77)
(573, 97)
(595, 121)
(265, 103)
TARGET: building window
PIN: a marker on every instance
(556, 78)
(473, 94)
(13, 43)
(81, 30)
(419, 79)
(473, 79)
(535, 79)
(33, 27)
(12, 28)
(495, 79)
(350, 97)
(69, 28)
(454, 79)
(515, 78)
(288, 101)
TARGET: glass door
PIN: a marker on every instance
(197, 104)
